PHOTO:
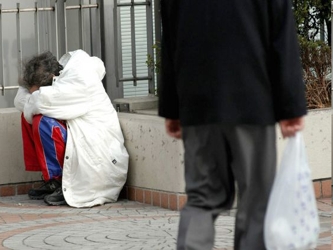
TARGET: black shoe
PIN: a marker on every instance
(47, 188)
(56, 198)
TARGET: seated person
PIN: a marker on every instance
(70, 130)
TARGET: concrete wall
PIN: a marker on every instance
(156, 161)
(318, 142)
(11, 153)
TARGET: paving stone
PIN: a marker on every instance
(31, 225)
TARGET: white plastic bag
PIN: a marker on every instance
(292, 221)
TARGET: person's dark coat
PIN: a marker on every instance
(234, 62)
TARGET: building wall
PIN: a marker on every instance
(156, 160)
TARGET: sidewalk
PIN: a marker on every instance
(27, 224)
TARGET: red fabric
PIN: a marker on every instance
(39, 149)
(44, 146)
(29, 150)
(59, 145)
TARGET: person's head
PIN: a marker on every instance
(39, 70)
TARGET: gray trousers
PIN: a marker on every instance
(217, 156)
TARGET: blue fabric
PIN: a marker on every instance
(53, 134)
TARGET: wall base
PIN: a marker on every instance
(168, 200)
(323, 188)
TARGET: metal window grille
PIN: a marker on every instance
(58, 12)
(134, 77)
(51, 27)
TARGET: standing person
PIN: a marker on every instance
(230, 71)
(71, 131)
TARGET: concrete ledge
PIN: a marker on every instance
(134, 104)
(156, 161)
(11, 150)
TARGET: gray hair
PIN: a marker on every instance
(40, 69)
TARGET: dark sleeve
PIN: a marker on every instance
(285, 67)
(167, 90)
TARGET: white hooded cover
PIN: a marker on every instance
(96, 161)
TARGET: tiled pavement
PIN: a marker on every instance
(26, 225)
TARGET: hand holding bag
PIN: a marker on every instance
(292, 221)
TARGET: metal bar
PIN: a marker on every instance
(133, 44)
(73, 7)
(60, 27)
(81, 26)
(2, 79)
(116, 41)
(129, 79)
(5, 11)
(82, 6)
(9, 87)
(37, 27)
(91, 28)
(65, 30)
(19, 40)
(158, 35)
(131, 4)
(95, 31)
(29, 10)
(150, 41)
(49, 27)
(56, 29)
(103, 38)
